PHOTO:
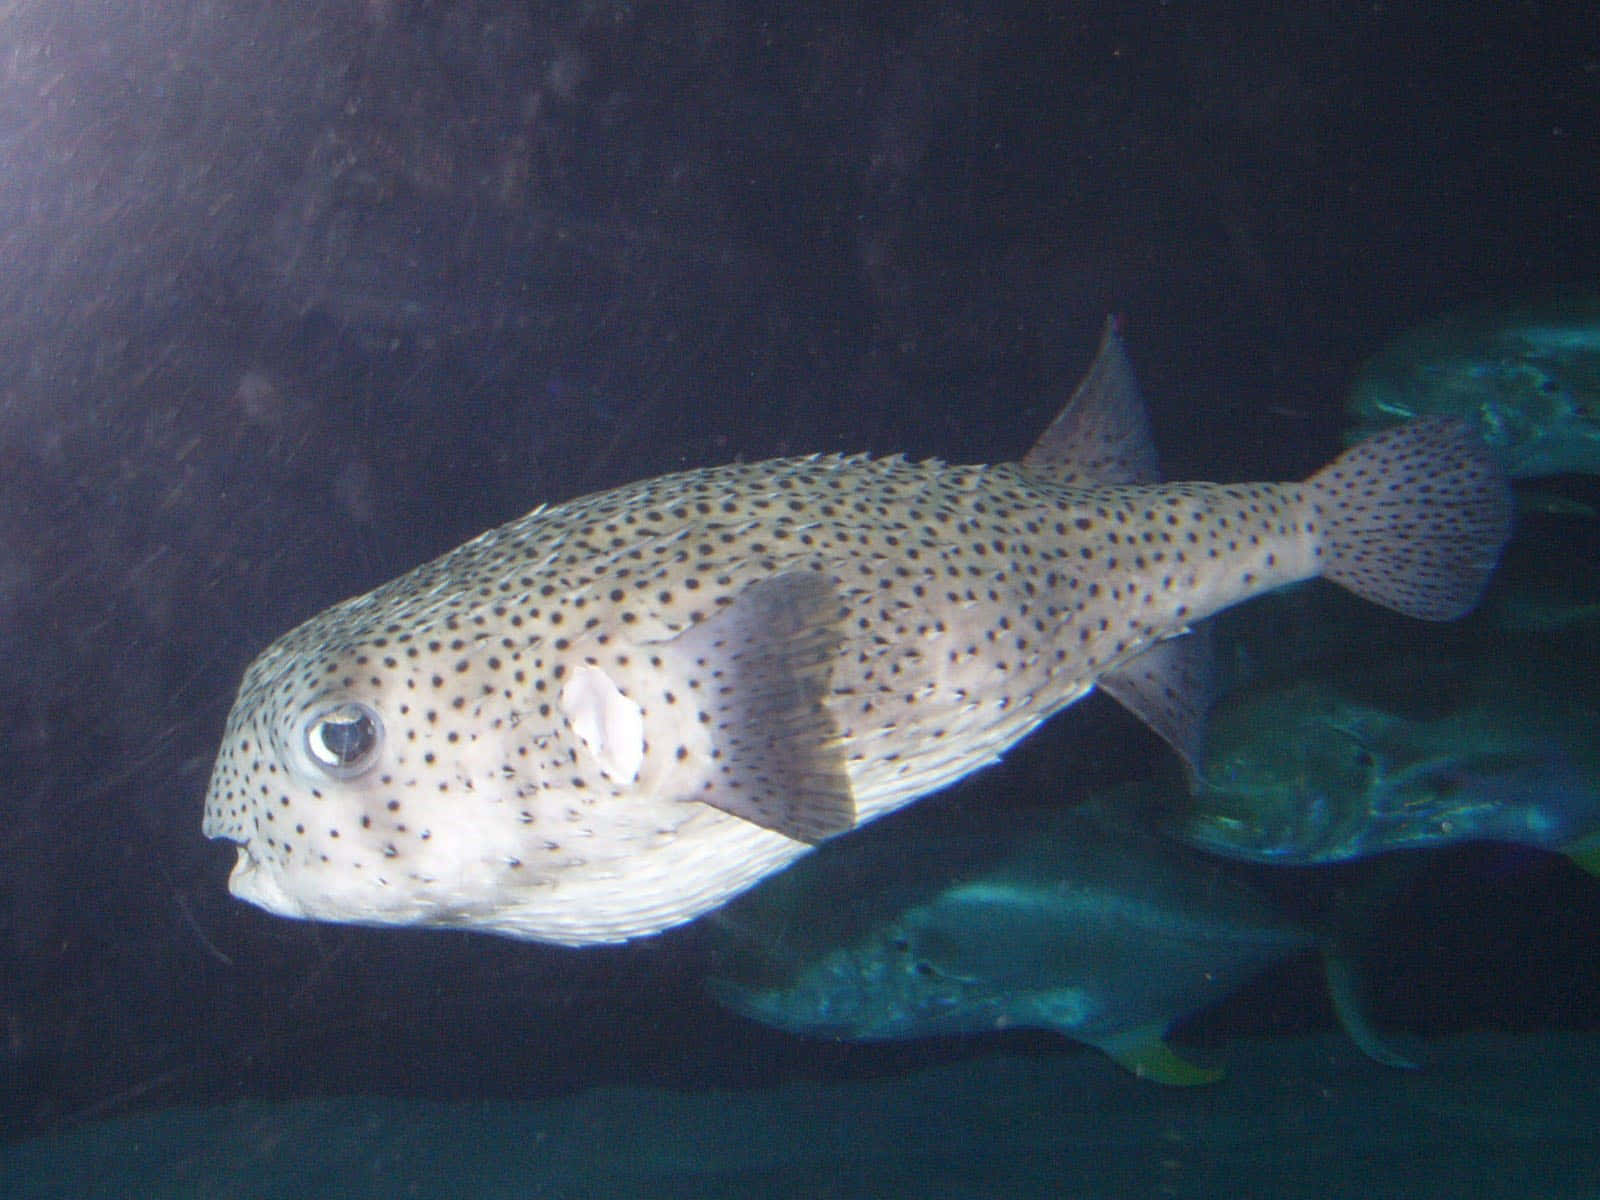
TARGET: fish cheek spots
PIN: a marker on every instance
(344, 739)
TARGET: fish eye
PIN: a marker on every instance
(343, 739)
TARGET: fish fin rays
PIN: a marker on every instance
(761, 669)
(1413, 518)
(1102, 435)
(1170, 687)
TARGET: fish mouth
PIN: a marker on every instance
(253, 882)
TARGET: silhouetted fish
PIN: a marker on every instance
(1525, 376)
(1067, 922)
(1308, 773)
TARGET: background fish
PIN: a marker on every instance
(610, 716)
(1322, 771)
(1544, 608)
(1525, 375)
(1066, 921)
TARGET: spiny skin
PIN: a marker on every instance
(974, 602)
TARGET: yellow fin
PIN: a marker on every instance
(1143, 1052)
(1585, 853)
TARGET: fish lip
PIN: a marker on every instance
(251, 882)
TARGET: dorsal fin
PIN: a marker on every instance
(1102, 435)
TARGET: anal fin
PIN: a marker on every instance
(1346, 992)
(760, 671)
(1170, 688)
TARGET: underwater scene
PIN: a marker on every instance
(721, 599)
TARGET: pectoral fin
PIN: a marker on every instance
(759, 670)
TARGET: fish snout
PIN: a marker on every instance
(258, 883)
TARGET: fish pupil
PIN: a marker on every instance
(343, 739)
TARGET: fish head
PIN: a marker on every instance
(951, 966)
(881, 987)
(387, 778)
(491, 743)
(1308, 774)
(1288, 777)
(1525, 376)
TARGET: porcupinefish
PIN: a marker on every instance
(609, 716)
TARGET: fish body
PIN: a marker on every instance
(1525, 376)
(611, 715)
(1067, 922)
(1308, 773)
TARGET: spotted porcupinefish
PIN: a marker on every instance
(611, 715)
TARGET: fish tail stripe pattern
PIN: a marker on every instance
(1413, 518)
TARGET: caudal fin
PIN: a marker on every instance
(1413, 518)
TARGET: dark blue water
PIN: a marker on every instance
(294, 296)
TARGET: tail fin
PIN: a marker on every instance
(1346, 990)
(1413, 518)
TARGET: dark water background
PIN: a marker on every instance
(295, 295)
